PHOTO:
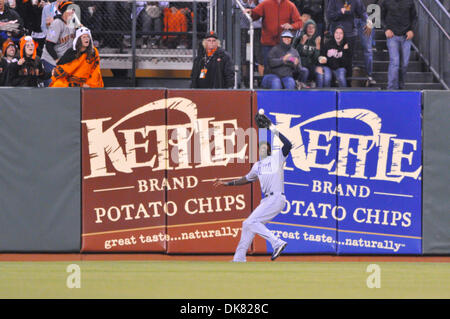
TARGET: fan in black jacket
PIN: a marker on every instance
(334, 60)
(283, 65)
(213, 67)
(32, 15)
(28, 71)
(9, 51)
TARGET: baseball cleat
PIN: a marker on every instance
(277, 251)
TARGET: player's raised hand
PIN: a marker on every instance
(262, 121)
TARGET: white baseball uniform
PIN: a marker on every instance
(270, 173)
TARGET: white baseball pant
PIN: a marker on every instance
(269, 207)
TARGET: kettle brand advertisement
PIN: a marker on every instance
(149, 167)
(150, 159)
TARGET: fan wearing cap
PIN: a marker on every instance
(59, 37)
(9, 51)
(80, 65)
(308, 46)
(283, 63)
(213, 67)
(28, 71)
(11, 23)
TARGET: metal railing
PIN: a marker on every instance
(251, 33)
(152, 35)
(433, 39)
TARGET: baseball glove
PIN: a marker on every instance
(262, 121)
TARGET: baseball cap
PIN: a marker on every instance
(63, 6)
(211, 34)
(6, 44)
(287, 34)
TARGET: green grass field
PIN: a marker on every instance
(211, 280)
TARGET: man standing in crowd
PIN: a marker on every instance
(399, 19)
(59, 38)
(366, 41)
(343, 13)
(277, 15)
(213, 69)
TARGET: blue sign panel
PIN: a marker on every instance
(308, 120)
(378, 170)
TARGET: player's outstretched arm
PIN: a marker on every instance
(236, 182)
(262, 121)
(287, 145)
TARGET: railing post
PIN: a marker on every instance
(229, 26)
(211, 15)
(133, 43)
(220, 18)
(251, 34)
(237, 49)
(194, 31)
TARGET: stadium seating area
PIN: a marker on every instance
(157, 41)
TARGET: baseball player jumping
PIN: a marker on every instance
(269, 171)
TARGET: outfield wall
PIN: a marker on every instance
(136, 173)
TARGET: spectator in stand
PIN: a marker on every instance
(151, 18)
(9, 51)
(308, 47)
(245, 38)
(31, 12)
(17, 5)
(202, 17)
(11, 23)
(49, 12)
(214, 68)
(366, 41)
(80, 65)
(28, 71)
(283, 62)
(313, 10)
(335, 57)
(399, 19)
(343, 13)
(59, 38)
(175, 20)
(277, 15)
(92, 18)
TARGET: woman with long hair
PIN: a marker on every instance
(80, 65)
(334, 60)
(28, 70)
